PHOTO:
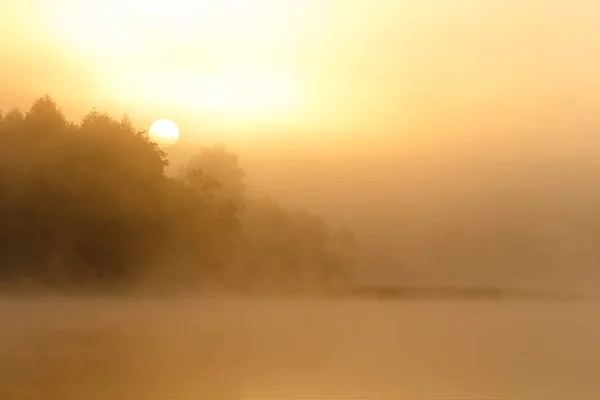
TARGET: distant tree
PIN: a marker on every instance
(91, 204)
(296, 248)
(45, 117)
(277, 246)
(222, 165)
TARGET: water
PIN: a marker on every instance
(297, 348)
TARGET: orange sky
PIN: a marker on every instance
(309, 70)
(394, 109)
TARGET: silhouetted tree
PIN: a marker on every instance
(276, 246)
(90, 203)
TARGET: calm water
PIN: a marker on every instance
(287, 349)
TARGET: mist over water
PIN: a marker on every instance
(432, 167)
(287, 348)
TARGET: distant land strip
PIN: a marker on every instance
(381, 292)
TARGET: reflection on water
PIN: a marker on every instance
(253, 349)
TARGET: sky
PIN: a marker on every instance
(347, 107)
(315, 69)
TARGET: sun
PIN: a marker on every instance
(164, 132)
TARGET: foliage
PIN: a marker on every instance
(90, 203)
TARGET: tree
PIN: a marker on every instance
(90, 204)
(222, 165)
(275, 246)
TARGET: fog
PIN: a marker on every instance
(418, 121)
(296, 348)
(389, 199)
(522, 204)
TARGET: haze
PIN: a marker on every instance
(378, 71)
(348, 90)
(367, 199)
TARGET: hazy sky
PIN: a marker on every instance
(381, 100)
(309, 70)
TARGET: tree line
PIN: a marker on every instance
(90, 203)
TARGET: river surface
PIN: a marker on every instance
(108, 349)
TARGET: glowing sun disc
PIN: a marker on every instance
(164, 132)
